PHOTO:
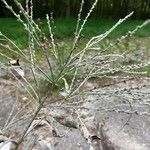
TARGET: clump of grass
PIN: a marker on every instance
(71, 69)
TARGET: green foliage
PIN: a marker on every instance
(65, 28)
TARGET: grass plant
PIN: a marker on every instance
(79, 64)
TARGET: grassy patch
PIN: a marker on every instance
(66, 27)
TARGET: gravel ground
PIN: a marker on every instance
(126, 115)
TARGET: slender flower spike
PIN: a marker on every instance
(67, 88)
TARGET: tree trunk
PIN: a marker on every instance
(2, 13)
(130, 6)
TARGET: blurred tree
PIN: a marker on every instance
(70, 8)
(130, 6)
(2, 12)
